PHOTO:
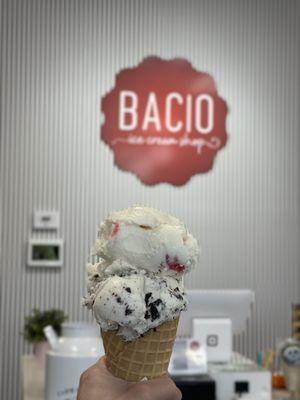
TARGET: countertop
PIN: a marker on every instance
(33, 383)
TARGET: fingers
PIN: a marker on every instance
(156, 389)
(166, 388)
(101, 363)
(100, 370)
(96, 373)
(98, 383)
(101, 366)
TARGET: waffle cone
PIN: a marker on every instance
(147, 356)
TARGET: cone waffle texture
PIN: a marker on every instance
(147, 356)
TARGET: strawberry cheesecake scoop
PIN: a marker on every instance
(137, 283)
(147, 239)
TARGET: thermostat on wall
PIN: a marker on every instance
(45, 253)
(46, 220)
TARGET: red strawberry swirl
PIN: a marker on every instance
(174, 264)
(115, 230)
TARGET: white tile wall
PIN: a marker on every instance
(58, 58)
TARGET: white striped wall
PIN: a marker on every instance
(58, 57)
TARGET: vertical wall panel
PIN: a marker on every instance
(57, 59)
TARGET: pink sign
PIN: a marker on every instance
(164, 121)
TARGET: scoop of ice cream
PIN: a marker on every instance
(136, 302)
(148, 239)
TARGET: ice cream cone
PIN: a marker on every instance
(147, 356)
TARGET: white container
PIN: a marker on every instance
(79, 347)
